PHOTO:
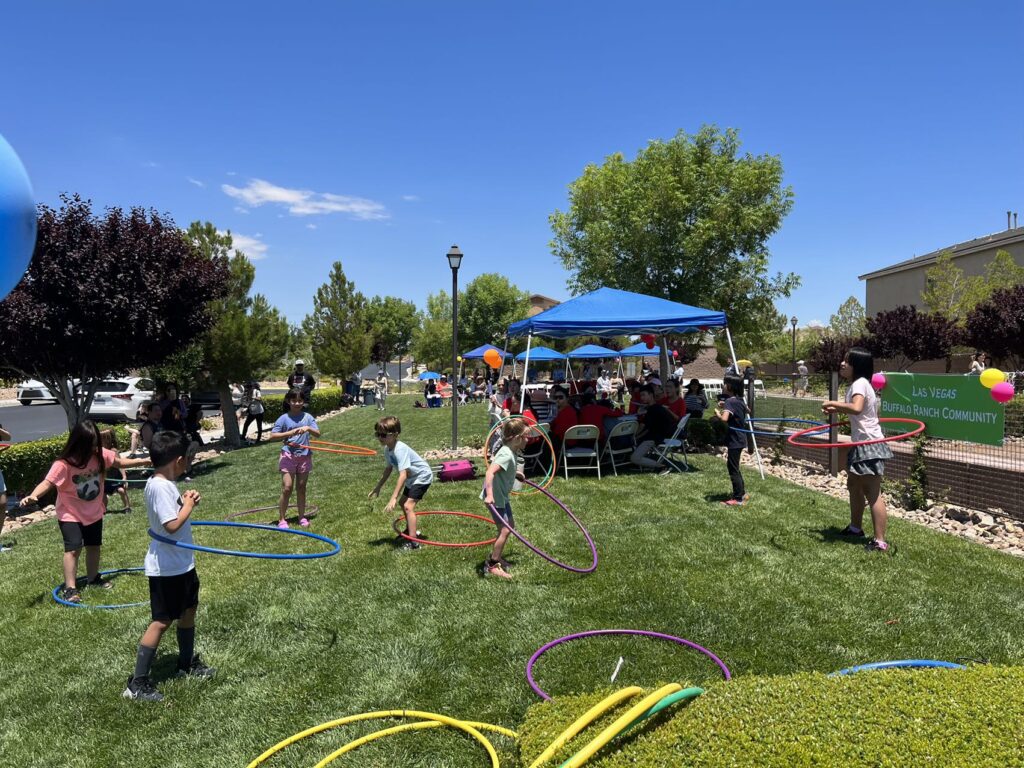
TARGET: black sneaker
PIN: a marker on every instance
(99, 581)
(196, 669)
(71, 595)
(141, 689)
(411, 545)
(851, 531)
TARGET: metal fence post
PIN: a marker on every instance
(833, 432)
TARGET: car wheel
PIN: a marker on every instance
(25, 402)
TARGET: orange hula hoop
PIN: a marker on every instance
(350, 450)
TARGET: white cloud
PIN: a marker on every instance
(197, 182)
(232, 173)
(311, 226)
(411, 198)
(252, 247)
(240, 209)
(305, 202)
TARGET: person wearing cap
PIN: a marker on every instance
(301, 381)
(801, 369)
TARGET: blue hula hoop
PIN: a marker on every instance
(758, 433)
(336, 547)
(902, 664)
(60, 600)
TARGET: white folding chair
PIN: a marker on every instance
(674, 446)
(585, 433)
(534, 451)
(624, 429)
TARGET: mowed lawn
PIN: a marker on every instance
(768, 587)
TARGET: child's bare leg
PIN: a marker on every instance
(92, 562)
(854, 485)
(499, 545)
(123, 493)
(879, 515)
(287, 480)
(71, 568)
(155, 630)
(300, 492)
(410, 516)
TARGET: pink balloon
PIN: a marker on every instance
(878, 381)
(1002, 392)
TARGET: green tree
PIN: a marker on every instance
(297, 347)
(949, 292)
(1002, 272)
(488, 306)
(392, 322)
(337, 328)
(687, 220)
(432, 340)
(849, 320)
(248, 335)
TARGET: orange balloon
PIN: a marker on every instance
(493, 358)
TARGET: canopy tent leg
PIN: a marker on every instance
(750, 424)
(526, 368)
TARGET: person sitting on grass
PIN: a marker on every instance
(414, 476)
(78, 475)
(734, 414)
(658, 426)
(119, 484)
(294, 427)
(173, 583)
(501, 476)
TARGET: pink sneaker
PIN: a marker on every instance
(304, 522)
(282, 524)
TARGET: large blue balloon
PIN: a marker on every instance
(17, 219)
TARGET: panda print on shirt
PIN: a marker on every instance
(87, 485)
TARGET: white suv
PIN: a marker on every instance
(33, 391)
(119, 399)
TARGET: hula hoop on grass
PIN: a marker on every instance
(901, 664)
(359, 450)
(640, 632)
(549, 477)
(590, 542)
(336, 548)
(792, 439)
(759, 433)
(311, 510)
(404, 535)
(58, 599)
(468, 726)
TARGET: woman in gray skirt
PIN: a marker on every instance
(865, 464)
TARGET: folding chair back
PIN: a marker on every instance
(674, 446)
(582, 435)
(623, 434)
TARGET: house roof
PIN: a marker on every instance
(999, 239)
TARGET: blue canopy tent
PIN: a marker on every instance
(640, 349)
(541, 353)
(479, 352)
(589, 352)
(613, 312)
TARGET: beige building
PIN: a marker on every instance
(540, 303)
(902, 284)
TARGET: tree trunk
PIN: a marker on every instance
(663, 360)
(227, 410)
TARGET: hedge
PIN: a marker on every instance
(321, 401)
(891, 718)
(25, 464)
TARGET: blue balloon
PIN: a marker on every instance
(17, 219)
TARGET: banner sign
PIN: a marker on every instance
(953, 407)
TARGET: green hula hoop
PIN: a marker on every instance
(549, 476)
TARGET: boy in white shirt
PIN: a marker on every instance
(173, 583)
(414, 475)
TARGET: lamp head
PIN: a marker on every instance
(454, 257)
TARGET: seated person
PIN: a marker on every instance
(152, 424)
(695, 399)
(595, 413)
(672, 400)
(563, 417)
(659, 425)
(633, 387)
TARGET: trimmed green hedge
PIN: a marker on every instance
(321, 401)
(701, 433)
(25, 464)
(968, 718)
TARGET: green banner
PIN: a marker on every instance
(952, 407)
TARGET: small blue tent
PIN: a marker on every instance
(640, 350)
(479, 352)
(542, 354)
(590, 352)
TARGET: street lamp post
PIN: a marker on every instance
(793, 322)
(454, 261)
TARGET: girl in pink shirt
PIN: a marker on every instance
(78, 476)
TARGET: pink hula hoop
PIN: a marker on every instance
(792, 439)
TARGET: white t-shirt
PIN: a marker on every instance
(404, 457)
(679, 372)
(865, 426)
(604, 384)
(163, 503)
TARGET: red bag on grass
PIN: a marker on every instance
(452, 471)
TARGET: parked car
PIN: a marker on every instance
(119, 399)
(33, 391)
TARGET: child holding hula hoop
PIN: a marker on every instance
(294, 427)
(78, 475)
(734, 413)
(414, 476)
(173, 583)
(501, 476)
(865, 464)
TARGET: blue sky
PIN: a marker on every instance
(379, 133)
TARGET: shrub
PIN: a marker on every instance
(703, 433)
(25, 464)
(321, 401)
(898, 717)
(1015, 417)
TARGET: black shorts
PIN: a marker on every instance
(110, 487)
(76, 535)
(171, 596)
(506, 513)
(415, 492)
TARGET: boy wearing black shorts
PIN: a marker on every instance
(173, 583)
(414, 476)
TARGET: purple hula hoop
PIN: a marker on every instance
(545, 555)
(644, 633)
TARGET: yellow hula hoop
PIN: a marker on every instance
(584, 720)
(469, 727)
(620, 724)
(539, 431)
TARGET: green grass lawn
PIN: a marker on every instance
(768, 587)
